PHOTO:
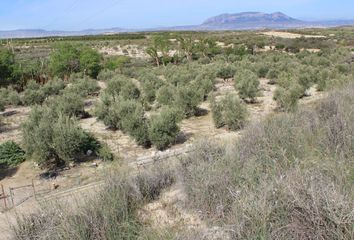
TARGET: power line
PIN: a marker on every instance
(90, 18)
(66, 12)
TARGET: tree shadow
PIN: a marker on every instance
(7, 171)
(201, 112)
(183, 137)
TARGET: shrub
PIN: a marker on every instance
(234, 112)
(163, 129)
(64, 60)
(104, 153)
(116, 62)
(226, 72)
(166, 95)
(90, 62)
(53, 138)
(277, 185)
(68, 104)
(247, 83)
(33, 96)
(53, 87)
(8, 68)
(36, 94)
(150, 84)
(118, 218)
(132, 121)
(106, 75)
(188, 98)
(124, 87)
(11, 154)
(287, 98)
(217, 113)
(83, 87)
(228, 111)
(14, 98)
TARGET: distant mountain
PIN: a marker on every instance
(33, 33)
(237, 21)
(251, 20)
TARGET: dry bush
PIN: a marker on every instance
(289, 177)
(110, 214)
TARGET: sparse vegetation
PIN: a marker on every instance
(11, 154)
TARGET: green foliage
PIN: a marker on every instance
(36, 94)
(287, 98)
(90, 62)
(69, 58)
(65, 60)
(104, 153)
(150, 84)
(247, 84)
(165, 95)
(8, 96)
(11, 154)
(8, 68)
(163, 129)
(122, 86)
(52, 138)
(226, 72)
(188, 98)
(82, 87)
(106, 75)
(116, 62)
(229, 111)
(69, 104)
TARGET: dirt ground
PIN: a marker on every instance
(168, 210)
(290, 35)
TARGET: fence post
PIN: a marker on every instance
(34, 190)
(12, 198)
(4, 196)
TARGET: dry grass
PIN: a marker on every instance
(289, 177)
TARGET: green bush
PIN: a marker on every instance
(217, 112)
(90, 62)
(116, 62)
(150, 84)
(187, 99)
(68, 104)
(53, 138)
(226, 72)
(287, 98)
(122, 86)
(106, 75)
(64, 60)
(163, 129)
(166, 95)
(36, 94)
(8, 68)
(229, 111)
(84, 87)
(104, 153)
(11, 154)
(68, 58)
(247, 84)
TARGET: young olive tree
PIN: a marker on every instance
(247, 84)
(163, 129)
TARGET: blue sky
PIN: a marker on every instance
(84, 14)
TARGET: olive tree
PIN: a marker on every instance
(163, 129)
(247, 84)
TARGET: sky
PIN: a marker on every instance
(93, 14)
